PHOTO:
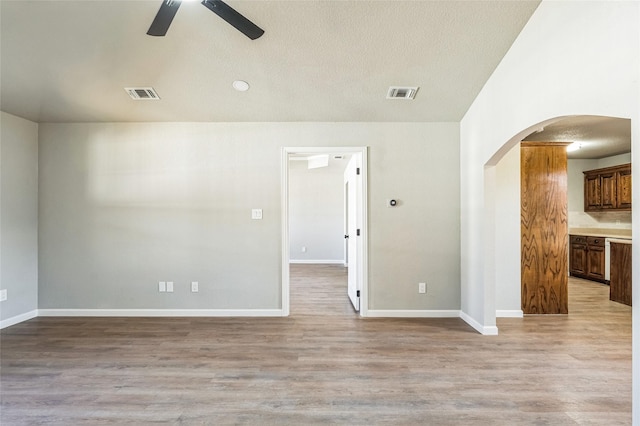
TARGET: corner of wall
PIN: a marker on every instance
(484, 330)
(18, 211)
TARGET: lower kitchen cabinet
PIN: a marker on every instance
(578, 256)
(620, 290)
(595, 258)
(586, 257)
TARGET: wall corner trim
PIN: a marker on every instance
(484, 330)
(18, 319)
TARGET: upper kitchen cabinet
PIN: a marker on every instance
(624, 188)
(608, 189)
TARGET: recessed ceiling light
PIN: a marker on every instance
(574, 146)
(241, 85)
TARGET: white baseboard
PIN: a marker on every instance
(317, 261)
(380, 313)
(413, 313)
(488, 331)
(18, 319)
(484, 330)
(160, 312)
(506, 313)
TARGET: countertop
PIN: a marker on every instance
(619, 240)
(621, 234)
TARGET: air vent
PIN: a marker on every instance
(142, 93)
(396, 92)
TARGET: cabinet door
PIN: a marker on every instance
(624, 189)
(592, 192)
(608, 190)
(578, 259)
(620, 290)
(595, 262)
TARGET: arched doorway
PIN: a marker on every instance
(605, 141)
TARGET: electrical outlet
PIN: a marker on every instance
(194, 286)
(422, 288)
(3, 295)
(169, 286)
(256, 214)
(162, 286)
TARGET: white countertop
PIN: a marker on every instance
(601, 232)
(620, 240)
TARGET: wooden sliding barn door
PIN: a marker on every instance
(544, 229)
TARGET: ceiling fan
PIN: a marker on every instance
(168, 9)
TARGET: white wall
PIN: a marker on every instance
(578, 218)
(507, 213)
(316, 212)
(123, 206)
(18, 218)
(614, 160)
(538, 81)
(549, 72)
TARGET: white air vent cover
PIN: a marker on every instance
(397, 92)
(142, 93)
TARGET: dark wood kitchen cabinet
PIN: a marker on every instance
(607, 189)
(592, 193)
(595, 258)
(620, 290)
(578, 255)
(586, 257)
(624, 188)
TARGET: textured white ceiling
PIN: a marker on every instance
(68, 61)
(598, 136)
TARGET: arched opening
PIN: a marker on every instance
(593, 341)
(605, 141)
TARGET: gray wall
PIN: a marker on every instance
(18, 215)
(316, 212)
(123, 206)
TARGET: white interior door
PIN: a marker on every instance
(352, 232)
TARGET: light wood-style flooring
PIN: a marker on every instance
(322, 365)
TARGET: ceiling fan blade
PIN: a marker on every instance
(232, 16)
(161, 22)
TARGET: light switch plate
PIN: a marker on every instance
(194, 286)
(256, 214)
(3, 295)
(169, 286)
(162, 286)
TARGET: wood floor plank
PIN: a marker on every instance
(322, 365)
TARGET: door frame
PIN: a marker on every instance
(284, 195)
(352, 176)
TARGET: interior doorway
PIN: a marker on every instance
(352, 233)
